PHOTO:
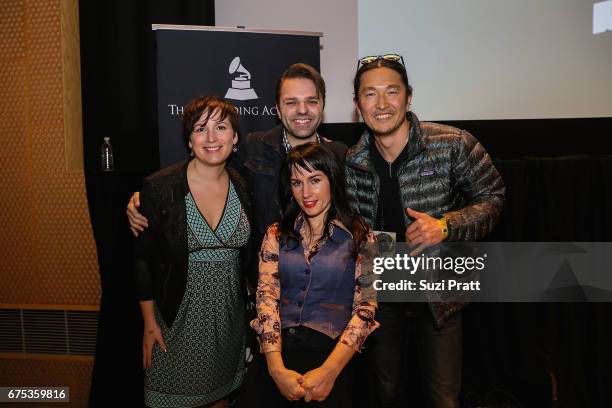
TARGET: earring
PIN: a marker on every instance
(234, 149)
(191, 153)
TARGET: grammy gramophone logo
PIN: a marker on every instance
(241, 83)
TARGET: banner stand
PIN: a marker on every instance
(241, 65)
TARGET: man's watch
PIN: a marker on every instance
(443, 227)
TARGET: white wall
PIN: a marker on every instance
(468, 59)
(494, 59)
(337, 19)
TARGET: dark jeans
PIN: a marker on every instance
(304, 349)
(437, 352)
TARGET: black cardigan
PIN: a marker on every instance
(160, 252)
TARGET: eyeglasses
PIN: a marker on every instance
(387, 57)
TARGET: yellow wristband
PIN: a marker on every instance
(444, 227)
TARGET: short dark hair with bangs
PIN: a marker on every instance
(312, 157)
(305, 71)
(208, 105)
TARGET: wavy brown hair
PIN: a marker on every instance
(208, 104)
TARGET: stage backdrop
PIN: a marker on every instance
(238, 64)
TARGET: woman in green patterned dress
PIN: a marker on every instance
(187, 266)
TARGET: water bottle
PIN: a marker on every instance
(106, 155)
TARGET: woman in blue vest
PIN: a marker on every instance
(315, 307)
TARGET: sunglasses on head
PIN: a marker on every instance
(387, 57)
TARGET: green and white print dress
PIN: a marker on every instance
(206, 345)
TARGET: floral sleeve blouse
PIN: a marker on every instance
(268, 321)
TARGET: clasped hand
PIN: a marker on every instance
(289, 383)
(315, 385)
(318, 383)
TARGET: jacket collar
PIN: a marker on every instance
(182, 187)
(359, 155)
(416, 144)
(274, 139)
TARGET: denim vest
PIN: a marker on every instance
(318, 295)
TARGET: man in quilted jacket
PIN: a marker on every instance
(426, 183)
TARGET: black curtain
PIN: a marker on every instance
(558, 175)
(118, 88)
(541, 351)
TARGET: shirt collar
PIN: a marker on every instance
(287, 146)
(300, 226)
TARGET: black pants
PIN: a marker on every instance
(303, 350)
(438, 357)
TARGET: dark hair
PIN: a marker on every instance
(209, 104)
(305, 71)
(381, 63)
(312, 157)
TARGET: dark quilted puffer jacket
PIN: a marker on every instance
(447, 173)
